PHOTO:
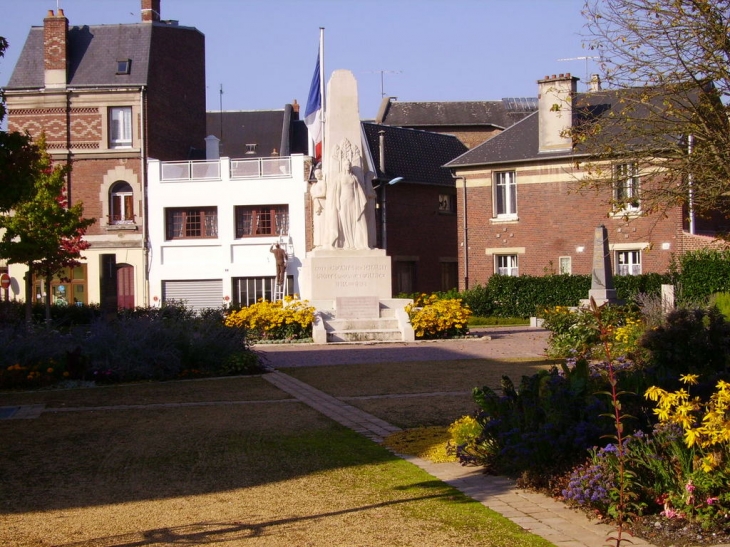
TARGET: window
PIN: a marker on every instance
(626, 189)
(120, 127)
(565, 265)
(449, 276)
(628, 262)
(506, 265)
(505, 195)
(250, 149)
(447, 203)
(201, 222)
(262, 220)
(124, 66)
(404, 272)
(69, 287)
(248, 290)
(121, 204)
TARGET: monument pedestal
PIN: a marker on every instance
(327, 274)
(351, 291)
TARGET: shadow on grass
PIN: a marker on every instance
(207, 533)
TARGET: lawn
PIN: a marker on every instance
(232, 462)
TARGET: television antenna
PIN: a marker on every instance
(585, 58)
(383, 72)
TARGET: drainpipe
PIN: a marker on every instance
(145, 215)
(692, 227)
(466, 234)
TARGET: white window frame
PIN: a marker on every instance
(121, 204)
(506, 265)
(628, 262)
(120, 127)
(627, 187)
(505, 195)
(565, 266)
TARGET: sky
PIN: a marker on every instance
(263, 52)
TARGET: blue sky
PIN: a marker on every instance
(263, 51)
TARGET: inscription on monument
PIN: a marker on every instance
(357, 307)
(350, 275)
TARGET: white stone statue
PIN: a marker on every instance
(318, 192)
(344, 202)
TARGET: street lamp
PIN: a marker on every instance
(383, 217)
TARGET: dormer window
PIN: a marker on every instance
(250, 149)
(124, 66)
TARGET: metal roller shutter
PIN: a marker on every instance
(198, 294)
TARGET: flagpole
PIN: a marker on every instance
(322, 86)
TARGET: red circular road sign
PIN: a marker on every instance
(4, 281)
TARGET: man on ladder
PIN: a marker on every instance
(280, 256)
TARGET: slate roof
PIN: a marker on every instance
(267, 129)
(416, 155)
(520, 142)
(499, 114)
(92, 55)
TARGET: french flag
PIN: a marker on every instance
(313, 111)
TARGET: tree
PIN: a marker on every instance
(18, 155)
(43, 232)
(670, 61)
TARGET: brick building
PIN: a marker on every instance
(108, 97)
(416, 218)
(521, 211)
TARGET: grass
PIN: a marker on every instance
(475, 321)
(255, 468)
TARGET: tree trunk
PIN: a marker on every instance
(47, 285)
(29, 294)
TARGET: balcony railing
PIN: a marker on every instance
(255, 168)
(191, 170)
(249, 168)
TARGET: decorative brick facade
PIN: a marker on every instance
(106, 120)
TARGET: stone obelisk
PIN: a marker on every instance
(602, 289)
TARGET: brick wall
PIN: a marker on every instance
(176, 93)
(86, 180)
(416, 228)
(555, 220)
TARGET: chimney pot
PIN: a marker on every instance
(60, 13)
(50, 13)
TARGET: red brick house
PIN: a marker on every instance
(416, 218)
(520, 209)
(108, 97)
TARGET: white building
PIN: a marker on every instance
(212, 224)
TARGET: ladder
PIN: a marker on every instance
(281, 290)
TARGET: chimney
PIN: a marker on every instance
(150, 11)
(212, 148)
(55, 49)
(295, 107)
(595, 83)
(555, 106)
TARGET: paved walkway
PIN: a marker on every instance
(537, 513)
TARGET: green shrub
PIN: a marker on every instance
(691, 341)
(721, 300)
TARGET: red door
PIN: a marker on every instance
(125, 286)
